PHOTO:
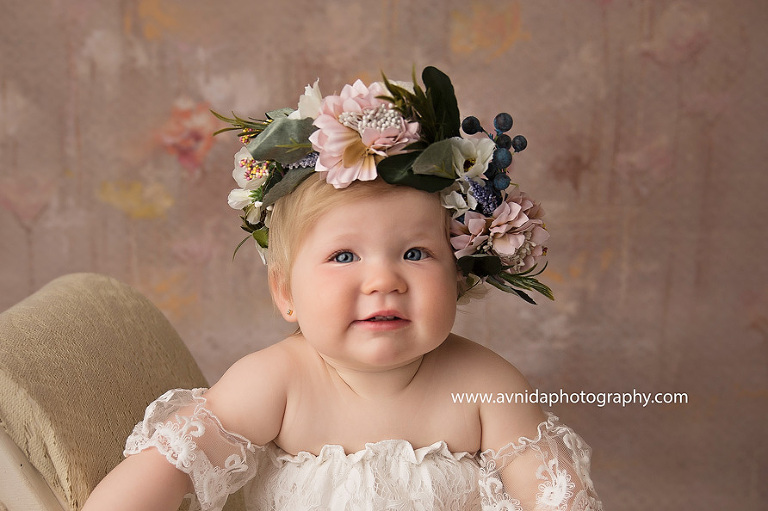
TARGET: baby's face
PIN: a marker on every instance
(373, 285)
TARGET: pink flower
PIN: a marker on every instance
(468, 236)
(514, 232)
(517, 231)
(356, 130)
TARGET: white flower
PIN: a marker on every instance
(249, 173)
(239, 198)
(253, 213)
(457, 199)
(309, 103)
(471, 156)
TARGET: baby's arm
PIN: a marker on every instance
(542, 463)
(249, 400)
(504, 423)
(143, 481)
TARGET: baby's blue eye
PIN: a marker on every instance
(343, 257)
(414, 254)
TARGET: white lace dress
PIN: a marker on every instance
(548, 472)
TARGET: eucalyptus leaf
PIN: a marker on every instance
(290, 181)
(284, 140)
(279, 113)
(436, 160)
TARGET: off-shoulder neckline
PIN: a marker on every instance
(406, 450)
(417, 454)
(401, 448)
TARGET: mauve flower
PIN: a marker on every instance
(514, 232)
(468, 236)
(355, 131)
(517, 231)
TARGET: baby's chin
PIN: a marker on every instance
(385, 354)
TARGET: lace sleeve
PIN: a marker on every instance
(193, 440)
(547, 473)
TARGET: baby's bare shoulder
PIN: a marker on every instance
(490, 375)
(481, 366)
(250, 397)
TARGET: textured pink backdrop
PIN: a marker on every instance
(646, 122)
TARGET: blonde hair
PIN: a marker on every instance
(294, 214)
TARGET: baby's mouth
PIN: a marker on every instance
(382, 318)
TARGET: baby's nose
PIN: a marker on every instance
(384, 279)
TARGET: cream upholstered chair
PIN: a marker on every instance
(80, 359)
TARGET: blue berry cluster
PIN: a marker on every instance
(489, 196)
(502, 156)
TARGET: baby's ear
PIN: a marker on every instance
(281, 295)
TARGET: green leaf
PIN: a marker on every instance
(287, 184)
(222, 130)
(279, 113)
(239, 123)
(416, 146)
(415, 106)
(396, 170)
(262, 237)
(481, 265)
(498, 284)
(441, 94)
(238, 247)
(284, 140)
(436, 160)
(519, 280)
(529, 271)
(222, 118)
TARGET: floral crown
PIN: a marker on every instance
(407, 136)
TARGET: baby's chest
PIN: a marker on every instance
(352, 424)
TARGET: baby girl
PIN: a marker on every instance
(375, 216)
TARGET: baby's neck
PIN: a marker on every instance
(375, 384)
